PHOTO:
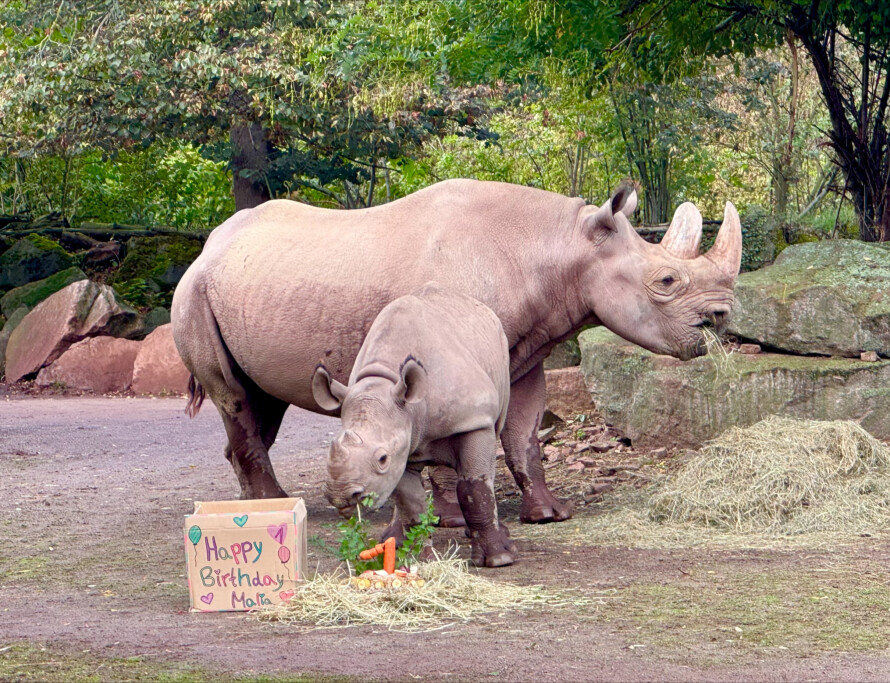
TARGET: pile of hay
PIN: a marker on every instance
(802, 481)
(782, 476)
(451, 594)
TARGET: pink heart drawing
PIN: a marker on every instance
(278, 531)
(286, 595)
(207, 599)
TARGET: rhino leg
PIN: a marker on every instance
(252, 424)
(444, 484)
(522, 450)
(251, 417)
(492, 546)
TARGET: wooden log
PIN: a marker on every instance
(104, 234)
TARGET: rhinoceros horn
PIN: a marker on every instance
(684, 234)
(726, 253)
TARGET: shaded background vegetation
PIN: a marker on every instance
(180, 111)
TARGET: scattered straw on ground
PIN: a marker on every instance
(451, 594)
(779, 482)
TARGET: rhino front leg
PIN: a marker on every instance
(492, 546)
(409, 500)
(522, 450)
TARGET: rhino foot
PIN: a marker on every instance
(543, 509)
(493, 547)
(262, 486)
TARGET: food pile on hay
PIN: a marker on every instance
(450, 593)
(801, 482)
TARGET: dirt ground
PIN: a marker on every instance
(92, 497)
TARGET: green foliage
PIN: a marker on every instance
(417, 536)
(137, 292)
(356, 536)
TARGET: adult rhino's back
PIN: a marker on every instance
(289, 284)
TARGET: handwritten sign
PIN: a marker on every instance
(244, 554)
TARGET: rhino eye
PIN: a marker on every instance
(383, 460)
(668, 280)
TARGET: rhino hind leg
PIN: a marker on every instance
(522, 450)
(252, 426)
(251, 417)
(490, 539)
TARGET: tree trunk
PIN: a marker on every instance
(251, 152)
(864, 165)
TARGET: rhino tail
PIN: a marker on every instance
(196, 397)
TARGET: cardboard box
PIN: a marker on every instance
(244, 554)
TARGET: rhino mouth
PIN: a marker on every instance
(347, 511)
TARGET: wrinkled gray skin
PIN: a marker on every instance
(284, 285)
(430, 386)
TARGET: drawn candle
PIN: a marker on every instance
(284, 556)
(194, 537)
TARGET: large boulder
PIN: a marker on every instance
(33, 293)
(830, 297)
(12, 322)
(32, 258)
(158, 368)
(567, 394)
(99, 364)
(661, 401)
(83, 309)
(564, 355)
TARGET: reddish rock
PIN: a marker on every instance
(158, 368)
(83, 309)
(100, 364)
(749, 349)
(870, 356)
(575, 467)
(567, 394)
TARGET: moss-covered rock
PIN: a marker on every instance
(159, 261)
(33, 293)
(830, 297)
(32, 258)
(659, 400)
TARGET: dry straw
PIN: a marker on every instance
(779, 482)
(451, 594)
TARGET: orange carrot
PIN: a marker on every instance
(371, 553)
(388, 548)
(389, 555)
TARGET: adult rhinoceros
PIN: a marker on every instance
(282, 286)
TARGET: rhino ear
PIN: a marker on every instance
(625, 198)
(327, 392)
(601, 223)
(412, 384)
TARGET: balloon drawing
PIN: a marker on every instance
(194, 537)
(284, 556)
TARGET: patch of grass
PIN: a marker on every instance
(796, 610)
(30, 662)
(29, 568)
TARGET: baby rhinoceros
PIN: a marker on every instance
(430, 386)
